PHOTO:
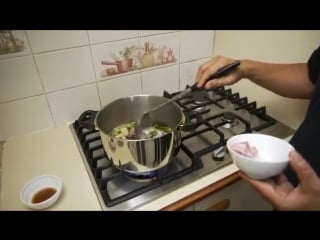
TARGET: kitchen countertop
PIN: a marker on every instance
(46, 152)
(54, 151)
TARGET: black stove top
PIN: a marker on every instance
(212, 116)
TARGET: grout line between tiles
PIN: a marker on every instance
(44, 52)
(13, 57)
(179, 58)
(18, 99)
(67, 48)
(97, 80)
(1, 152)
(140, 71)
(44, 93)
(194, 60)
(213, 41)
(103, 80)
(83, 45)
(179, 81)
(27, 37)
(88, 35)
(141, 83)
(112, 41)
(155, 34)
(62, 49)
(158, 67)
(95, 73)
(42, 85)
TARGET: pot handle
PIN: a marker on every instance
(87, 118)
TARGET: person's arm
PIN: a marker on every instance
(288, 80)
(283, 196)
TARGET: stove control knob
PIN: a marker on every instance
(218, 154)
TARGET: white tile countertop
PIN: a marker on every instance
(54, 151)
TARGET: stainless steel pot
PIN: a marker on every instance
(143, 158)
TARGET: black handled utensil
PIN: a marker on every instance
(145, 120)
(220, 73)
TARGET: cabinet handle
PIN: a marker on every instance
(220, 206)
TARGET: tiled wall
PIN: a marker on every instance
(48, 78)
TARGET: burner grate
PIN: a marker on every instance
(207, 112)
(105, 173)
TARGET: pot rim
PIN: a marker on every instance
(179, 125)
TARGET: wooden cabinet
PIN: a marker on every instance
(239, 196)
(189, 208)
(228, 194)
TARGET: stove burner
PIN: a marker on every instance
(193, 119)
(218, 154)
(200, 109)
(200, 97)
(138, 179)
(229, 119)
(146, 177)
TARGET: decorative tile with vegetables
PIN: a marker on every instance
(9, 43)
(137, 57)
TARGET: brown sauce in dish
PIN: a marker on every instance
(43, 195)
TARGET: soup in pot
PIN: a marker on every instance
(127, 131)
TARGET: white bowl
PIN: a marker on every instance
(41, 184)
(272, 159)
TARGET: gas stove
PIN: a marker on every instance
(212, 117)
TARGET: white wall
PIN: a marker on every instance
(270, 46)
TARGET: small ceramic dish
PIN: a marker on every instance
(41, 192)
(272, 155)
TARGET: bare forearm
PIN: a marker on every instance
(288, 80)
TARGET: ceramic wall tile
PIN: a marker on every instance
(143, 33)
(188, 72)
(66, 68)
(24, 116)
(13, 43)
(123, 57)
(18, 78)
(156, 81)
(195, 45)
(159, 50)
(100, 36)
(48, 40)
(114, 58)
(67, 105)
(81, 69)
(115, 88)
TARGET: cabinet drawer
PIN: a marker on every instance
(237, 196)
